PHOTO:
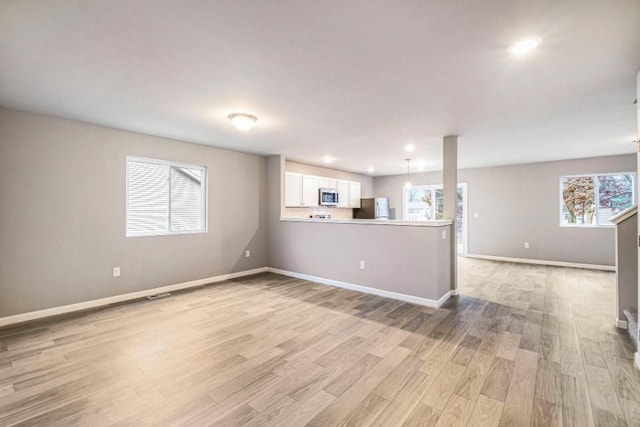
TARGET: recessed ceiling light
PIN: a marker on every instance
(242, 121)
(328, 159)
(524, 46)
(409, 148)
(370, 169)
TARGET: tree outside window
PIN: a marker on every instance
(590, 200)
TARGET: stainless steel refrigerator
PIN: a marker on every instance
(373, 208)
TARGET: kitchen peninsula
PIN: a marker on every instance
(405, 260)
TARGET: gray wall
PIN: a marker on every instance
(521, 203)
(409, 260)
(62, 216)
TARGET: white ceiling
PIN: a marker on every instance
(354, 79)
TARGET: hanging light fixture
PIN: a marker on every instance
(242, 121)
(408, 183)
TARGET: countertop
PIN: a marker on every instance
(393, 222)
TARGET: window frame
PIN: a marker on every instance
(597, 197)
(169, 163)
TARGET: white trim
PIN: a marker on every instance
(543, 262)
(636, 360)
(398, 222)
(625, 214)
(55, 311)
(454, 292)
(365, 289)
(622, 324)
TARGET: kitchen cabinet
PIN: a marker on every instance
(349, 194)
(301, 191)
(310, 187)
(354, 194)
(329, 183)
(293, 190)
(343, 194)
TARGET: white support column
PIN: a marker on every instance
(449, 193)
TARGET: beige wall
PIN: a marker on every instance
(62, 215)
(521, 203)
(365, 181)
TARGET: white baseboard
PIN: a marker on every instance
(55, 311)
(543, 262)
(622, 324)
(636, 360)
(365, 289)
(454, 292)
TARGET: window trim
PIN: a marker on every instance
(597, 191)
(169, 232)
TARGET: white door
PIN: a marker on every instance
(293, 190)
(310, 187)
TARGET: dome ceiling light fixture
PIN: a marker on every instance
(243, 121)
(524, 46)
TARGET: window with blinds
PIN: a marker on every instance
(165, 197)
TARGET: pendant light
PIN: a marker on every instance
(408, 183)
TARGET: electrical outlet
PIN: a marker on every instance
(526, 245)
(116, 271)
(362, 265)
(475, 215)
(247, 253)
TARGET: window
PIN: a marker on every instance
(165, 198)
(590, 200)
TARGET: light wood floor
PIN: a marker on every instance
(523, 346)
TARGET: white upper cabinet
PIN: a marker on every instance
(310, 187)
(302, 190)
(354, 194)
(343, 194)
(329, 183)
(293, 190)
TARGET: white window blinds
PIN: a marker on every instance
(165, 198)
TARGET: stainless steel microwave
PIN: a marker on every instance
(328, 197)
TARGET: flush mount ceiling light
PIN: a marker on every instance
(409, 148)
(328, 159)
(242, 121)
(370, 169)
(524, 46)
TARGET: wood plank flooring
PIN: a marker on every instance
(522, 345)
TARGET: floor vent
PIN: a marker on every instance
(157, 296)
